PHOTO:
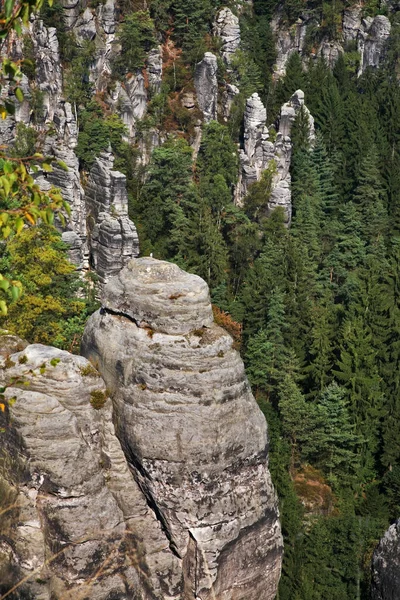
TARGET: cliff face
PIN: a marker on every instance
(386, 565)
(192, 433)
(176, 502)
(370, 35)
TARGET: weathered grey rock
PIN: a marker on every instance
(190, 428)
(113, 239)
(161, 295)
(227, 27)
(260, 153)
(288, 41)
(231, 91)
(386, 566)
(106, 13)
(61, 143)
(352, 17)
(72, 8)
(85, 28)
(330, 52)
(205, 81)
(372, 41)
(49, 75)
(131, 99)
(154, 69)
(75, 250)
(106, 188)
(80, 526)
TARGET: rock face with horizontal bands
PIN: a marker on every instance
(190, 429)
(77, 524)
(386, 566)
(372, 40)
(227, 27)
(113, 238)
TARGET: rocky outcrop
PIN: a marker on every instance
(205, 81)
(352, 18)
(113, 239)
(386, 566)
(227, 27)
(261, 151)
(370, 34)
(77, 524)
(179, 504)
(49, 76)
(154, 70)
(289, 40)
(191, 430)
(372, 40)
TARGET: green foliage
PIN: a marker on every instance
(25, 141)
(217, 154)
(136, 36)
(52, 15)
(96, 132)
(78, 88)
(98, 398)
(42, 314)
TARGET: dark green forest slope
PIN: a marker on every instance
(314, 307)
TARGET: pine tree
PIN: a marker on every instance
(358, 372)
(369, 198)
(333, 445)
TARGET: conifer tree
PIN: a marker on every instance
(369, 198)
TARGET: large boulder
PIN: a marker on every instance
(190, 429)
(74, 524)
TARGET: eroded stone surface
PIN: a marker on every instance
(205, 81)
(260, 152)
(81, 527)
(372, 40)
(113, 238)
(227, 27)
(191, 428)
(386, 566)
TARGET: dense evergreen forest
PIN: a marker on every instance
(315, 308)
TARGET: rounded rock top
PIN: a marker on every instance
(159, 295)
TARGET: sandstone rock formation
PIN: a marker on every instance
(192, 433)
(205, 81)
(76, 524)
(371, 35)
(386, 566)
(372, 40)
(227, 27)
(260, 152)
(113, 238)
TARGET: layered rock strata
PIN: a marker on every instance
(372, 41)
(194, 438)
(113, 238)
(263, 151)
(75, 523)
(227, 27)
(386, 566)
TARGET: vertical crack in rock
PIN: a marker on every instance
(191, 429)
